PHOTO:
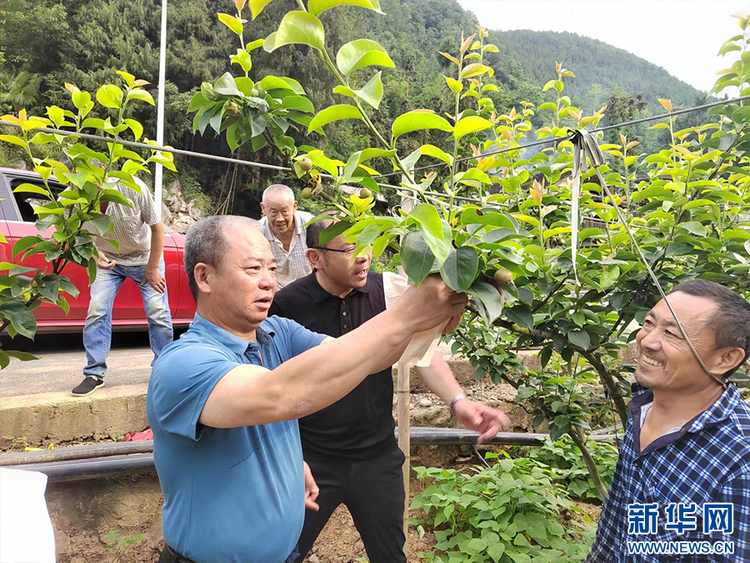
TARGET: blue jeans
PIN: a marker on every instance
(97, 334)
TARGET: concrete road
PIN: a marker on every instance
(61, 361)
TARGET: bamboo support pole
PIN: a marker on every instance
(403, 395)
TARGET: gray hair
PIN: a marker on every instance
(205, 243)
(277, 189)
(730, 323)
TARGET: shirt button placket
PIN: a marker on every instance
(344, 318)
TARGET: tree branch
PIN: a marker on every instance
(591, 356)
(590, 464)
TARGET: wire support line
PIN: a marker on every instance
(231, 160)
(569, 137)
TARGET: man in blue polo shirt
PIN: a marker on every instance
(224, 399)
(681, 489)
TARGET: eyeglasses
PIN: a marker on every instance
(348, 251)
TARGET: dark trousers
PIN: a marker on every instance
(373, 491)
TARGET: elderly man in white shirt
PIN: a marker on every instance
(283, 227)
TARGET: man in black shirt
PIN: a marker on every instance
(350, 445)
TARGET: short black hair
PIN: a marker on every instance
(314, 230)
(730, 323)
(205, 242)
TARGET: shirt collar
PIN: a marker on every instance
(720, 410)
(318, 294)
(226, 338)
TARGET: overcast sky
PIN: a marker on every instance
(682, 36)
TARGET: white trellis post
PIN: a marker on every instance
(403, 394)
(158, 180)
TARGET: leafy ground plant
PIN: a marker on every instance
(510, 512)
(568, 469)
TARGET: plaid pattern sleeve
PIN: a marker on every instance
(612, 516)
(737, 492)
(671, 494)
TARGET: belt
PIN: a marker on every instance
(177, 558)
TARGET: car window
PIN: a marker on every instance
(27, 201)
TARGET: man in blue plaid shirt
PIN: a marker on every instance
(681, 489)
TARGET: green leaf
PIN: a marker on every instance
(116, 197)
(372, 92)
(679, 249)
(20, 270)
(81, 100)
(556, 84)
(440, 247)
(91, 270)
(20, 317)
(43, 139)
(142, 95)
(496, 551)
(361, 53)
(728, 46)
(475, 69)
(299, 103)
(580, 338)
(475, 545)
(416, 257)
(418, 120)
(344, 91)
(243, 59)
(322, 161)
(471, 124)
(360, 157)
(256, 6)
(334, 113)
(23, 356)
(317, 7)
(332, 231)
(25, 243)
(271, 82)
(454, 85)
(31, 188)
(489, 301)
(521, 315)
(103, 224)
(110, 96)
(129, 78)
(460, 268)
(68, 287)
(13, 140)
(694, 227)
(435, 152)
(226, 86)
(297, 28)
(135, 127)
(428, 217)
(49, 287)
(231, 22)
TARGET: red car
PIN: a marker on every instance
(17, 220)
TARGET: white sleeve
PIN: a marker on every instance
(394, 286)
(422, 345)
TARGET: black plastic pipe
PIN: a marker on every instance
(111, 463)
(78, 452)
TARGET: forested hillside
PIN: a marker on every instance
(45, 43)
(600, 69)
